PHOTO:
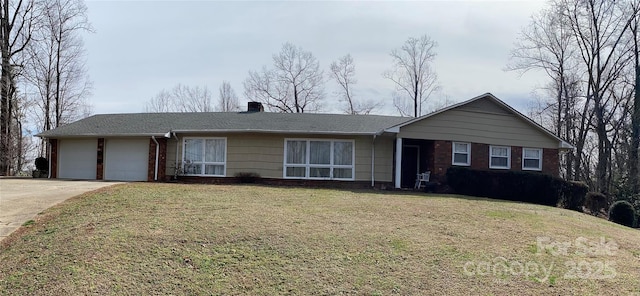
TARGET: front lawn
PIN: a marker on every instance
(142, 239)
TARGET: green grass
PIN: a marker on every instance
(28, 223)
(180, 239)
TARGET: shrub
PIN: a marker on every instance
(595, 202)
(622, 212)
(247, 177)
(572, 194)
(508, 185)
(42, 164)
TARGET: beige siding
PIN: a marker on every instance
(474, 124)
(384, 159)
(486, 106)
(264, 154)
(171, 156)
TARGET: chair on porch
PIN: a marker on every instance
(422, 179)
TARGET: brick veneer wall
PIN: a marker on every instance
(162, 160)
(53, 145)
(551, 162)
(441, 160)
(479, 156)
(100, 160)
(289, 182)
(516, 158)
(480, 159)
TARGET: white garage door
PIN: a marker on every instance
(126, 159)
(77, 159)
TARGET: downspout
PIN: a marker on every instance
(175, 172)
(155, 172)
(373, 159)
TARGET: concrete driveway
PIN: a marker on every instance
(22, 199)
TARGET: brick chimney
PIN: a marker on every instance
(255, 107)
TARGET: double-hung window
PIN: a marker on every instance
(499, 157)
(532, 159)
(319, 159)
(204, 156)
(461, 154)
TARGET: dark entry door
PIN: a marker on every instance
(410, 159)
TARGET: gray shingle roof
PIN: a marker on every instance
(147, 124)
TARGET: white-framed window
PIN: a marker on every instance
(319, 159)
(461, 153)
(204, 156)
(532, 159)
(499, 157)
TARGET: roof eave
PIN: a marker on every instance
(58, 136)
(276, 132)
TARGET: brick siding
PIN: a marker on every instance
(53, 145)
(550, 162)
(479, 156)
(480, 159)
(289, 182)
(441, 160)
(100, 160)
(162, 160)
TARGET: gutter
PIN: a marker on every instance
(155, 173)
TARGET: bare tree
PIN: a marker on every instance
(56, 64)
(599, 27)
(413, 74)
(18, 21)
(634, 153)
(181, 98)
(228, 101)
(343, 71)
(548, 44)
(585, 47)
(294, 85)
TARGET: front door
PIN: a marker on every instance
(410, 161)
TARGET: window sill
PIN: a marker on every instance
(317, 179)
(532, 169)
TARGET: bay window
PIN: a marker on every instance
(319, 159)
(204, 156)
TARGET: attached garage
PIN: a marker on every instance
(126, 159)
(77, 159)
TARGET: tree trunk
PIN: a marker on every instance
(635, 135)
(5, 116)
(57, 96)
(5, 100)
(603, 157)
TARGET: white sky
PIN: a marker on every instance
(140, 48)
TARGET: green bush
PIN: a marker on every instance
(572, 194)
(622, 212)
(42, 164)
(595, 202)
(516, 186)
(247, 177)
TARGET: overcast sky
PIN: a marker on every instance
(140, 48)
